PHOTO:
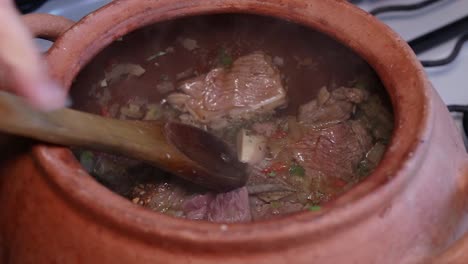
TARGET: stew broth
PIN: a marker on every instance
(327, 129)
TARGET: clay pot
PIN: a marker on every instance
(411, 209)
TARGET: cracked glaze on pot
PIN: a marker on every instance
(410, 209)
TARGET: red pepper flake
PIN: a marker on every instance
(105, 111)
(279, 134)
(276, 167)
(339, 182)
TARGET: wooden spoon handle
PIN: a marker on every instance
(73, 128)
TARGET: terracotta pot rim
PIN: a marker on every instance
(409, 97)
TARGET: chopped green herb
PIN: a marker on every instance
(272, 174)
(86, 160)
(297, 170)
(275, 204)
(224, 59)
(153, 112)
(315, 208)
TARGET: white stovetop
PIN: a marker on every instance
(448, 80)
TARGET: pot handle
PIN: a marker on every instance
(47, 26)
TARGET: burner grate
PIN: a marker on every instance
(28, 6)
(399, 8)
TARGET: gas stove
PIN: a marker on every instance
(430, 15)
(424, 22)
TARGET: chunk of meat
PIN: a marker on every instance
(331, 108)
(264, 128)
(251, 148)
(332, 151)
(378, 117)
(229, 207)
(197, 207)
(251, 86)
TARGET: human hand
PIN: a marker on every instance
(22, 71)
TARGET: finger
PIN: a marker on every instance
(22, 69)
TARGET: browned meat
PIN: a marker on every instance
(229, 207)
(378, 118)
(333, 151)
(251, 85)
(197, 207)
(331, 108)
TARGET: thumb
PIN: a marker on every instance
(22, 71)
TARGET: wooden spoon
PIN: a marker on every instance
(183, 150)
